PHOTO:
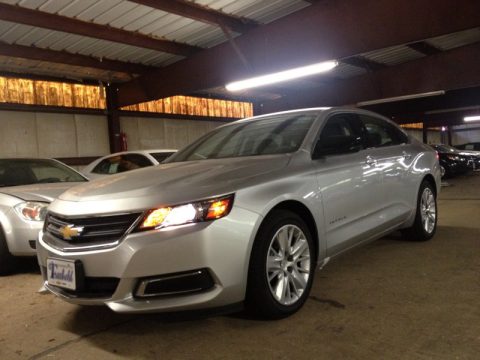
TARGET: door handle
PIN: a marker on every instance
(406, 155)
(370, 161)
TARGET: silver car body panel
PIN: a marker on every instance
(353, 198)
(18, 231)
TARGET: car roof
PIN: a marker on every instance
(149, 151)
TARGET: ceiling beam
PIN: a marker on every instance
(63, 57)
(200, 13)
(453, 99)
(323, 31)
(45, 20)
(453, 69)
(434, 120)
(30, 76)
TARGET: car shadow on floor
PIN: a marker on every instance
(375, 265)
(26, 265)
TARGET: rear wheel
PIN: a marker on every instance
(281, 266)
(426, 215)
(6, 259)
(443, 172)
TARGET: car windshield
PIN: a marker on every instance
(278, 134)
(14, 172)
(161, 156)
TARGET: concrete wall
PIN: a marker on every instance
(433, 137)
(158, 133)
(462, 134)
(38, 134)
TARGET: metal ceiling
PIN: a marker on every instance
(133, 17)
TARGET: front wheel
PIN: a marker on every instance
(426, 215)
(7, 261)
(281, 266)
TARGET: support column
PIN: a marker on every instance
(449, 134)
(425, 133)
(257, 108)
(113, 116)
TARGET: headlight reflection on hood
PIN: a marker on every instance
(200, 211)
(32, 210)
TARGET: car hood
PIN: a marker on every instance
(469, 152)
(38, 192)
(178, 182)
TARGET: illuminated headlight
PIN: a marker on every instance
(200, 211)
(33, 211)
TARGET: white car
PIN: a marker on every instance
(27, 186)
(125, 161)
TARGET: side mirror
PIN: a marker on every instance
(335, 145)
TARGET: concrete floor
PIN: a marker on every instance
(389, 300)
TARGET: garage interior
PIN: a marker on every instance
(81, 79)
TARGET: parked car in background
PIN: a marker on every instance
(452, 161)
(27, 186)
(474, 156)
(469, 146)
(125, 161)
(245, 214)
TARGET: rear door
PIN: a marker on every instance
(389, 148)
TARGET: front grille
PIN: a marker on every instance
(78, 231)
(95, 287)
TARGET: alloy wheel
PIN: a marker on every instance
(428, 210)
(288, 264)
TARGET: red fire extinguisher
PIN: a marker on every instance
(123, 141)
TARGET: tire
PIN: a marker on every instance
(7, 261)
(443, 172)
(426, 215)
(291, 276)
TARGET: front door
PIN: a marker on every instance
(348, 181)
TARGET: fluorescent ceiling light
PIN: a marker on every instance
(472, 118)
(282, 76)
(401, 98)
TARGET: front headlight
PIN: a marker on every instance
(200, 211)
(32, 210)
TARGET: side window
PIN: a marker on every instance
(381, 133)
(342, 133)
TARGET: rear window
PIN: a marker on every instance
(121, 163)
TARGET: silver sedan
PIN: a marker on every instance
(242, 216)
(27, 186)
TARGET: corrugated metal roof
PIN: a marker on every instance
(130, 16)
(345, 71)
(451, 41)
(25, 66)
(393, 55)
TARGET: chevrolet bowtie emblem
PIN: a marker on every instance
(69, 231)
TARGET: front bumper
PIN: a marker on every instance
(21, 235)
(222, 247)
